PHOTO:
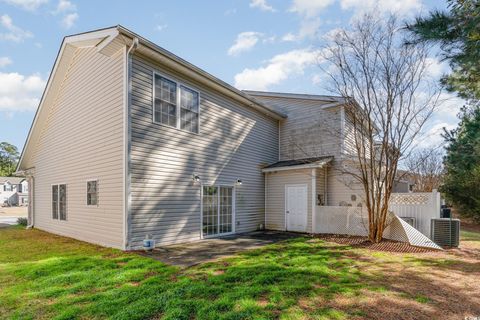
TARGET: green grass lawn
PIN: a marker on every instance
(43, 276)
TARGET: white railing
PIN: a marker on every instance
(422, 206)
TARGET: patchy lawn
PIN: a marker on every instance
(45, 276)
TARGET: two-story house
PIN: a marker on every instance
(13, 191)
(131, 141)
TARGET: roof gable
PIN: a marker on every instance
(108, 41)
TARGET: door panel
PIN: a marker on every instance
(296, 207)
(217, 211)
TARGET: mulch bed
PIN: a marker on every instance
(363, 242)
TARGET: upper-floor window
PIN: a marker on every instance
(188, 109)
(92, 193)
(175, 105)
(7, 187)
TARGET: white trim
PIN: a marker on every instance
(58, 201)
(314, 200)
(297, 167)
(178, 106)
(325, 190)
(126, 142)
(110, 36)
(109, 33)
(125, 148)
(234, 209)
(265, 200)
(201, 210)
(174, 62)
(86, 192)
(295, 96)
(342, 130)
(279, 139)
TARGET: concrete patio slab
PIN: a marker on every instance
(193, 253)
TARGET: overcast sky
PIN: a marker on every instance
(251, 44)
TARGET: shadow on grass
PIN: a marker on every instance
(261, 283)
(298, 278)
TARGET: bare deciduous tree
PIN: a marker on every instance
(425, 169)
(389, 96)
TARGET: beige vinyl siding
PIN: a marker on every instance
(310, 130)
(275, 202)
(341, 186)
(83, 139)
(314, 128)
(234, 142)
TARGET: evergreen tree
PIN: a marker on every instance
(462, 164)
(458, 34)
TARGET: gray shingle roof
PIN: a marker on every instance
(12, 180)
(298, 162)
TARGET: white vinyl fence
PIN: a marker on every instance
(354, 221)
(423, 207)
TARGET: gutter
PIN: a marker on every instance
(200, 76)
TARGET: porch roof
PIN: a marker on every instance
(305, 163)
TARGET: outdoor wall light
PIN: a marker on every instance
(238, 182)
(196, 178)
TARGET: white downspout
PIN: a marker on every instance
(31, 187)
(314, 200)
(126, 146)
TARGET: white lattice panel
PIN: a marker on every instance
(354, 221)
(422, 206)
(410, 198)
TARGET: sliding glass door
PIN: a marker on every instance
(217, 214)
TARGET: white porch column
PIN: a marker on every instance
(31, 188)
(314, 200)
(325, 190)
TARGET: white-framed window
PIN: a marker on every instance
(175, 104)
(189, 105)
(92, 193)
(59, 201)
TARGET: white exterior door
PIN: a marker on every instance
(296, 207)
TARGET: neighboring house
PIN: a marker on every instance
(131, 141)
(404, 183)
(13, 191)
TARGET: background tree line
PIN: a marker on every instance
(8, 159)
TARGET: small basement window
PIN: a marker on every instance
(59, 202)
(92, 193)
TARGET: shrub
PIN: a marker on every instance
(22, 221)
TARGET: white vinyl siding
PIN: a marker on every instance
(275, 202)
(310, 130)
(234, 142)
(83, 138)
